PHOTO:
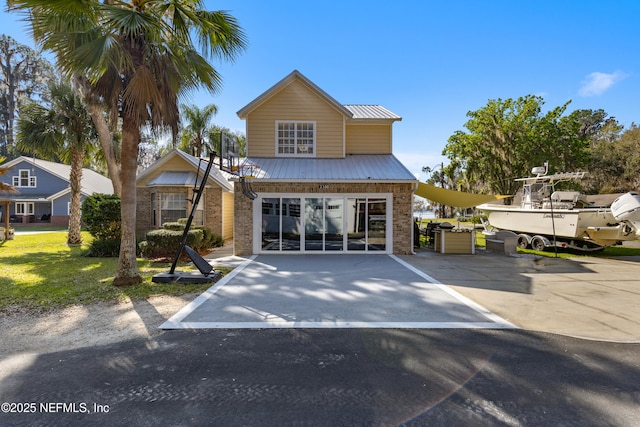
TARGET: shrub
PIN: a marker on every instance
(101, 215)
(160, 243)
(104, 248)
(175, 226)
(477, 219)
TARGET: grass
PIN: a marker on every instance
(41, 272)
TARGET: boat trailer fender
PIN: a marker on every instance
(540, 242)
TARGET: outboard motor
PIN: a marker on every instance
(626, 209)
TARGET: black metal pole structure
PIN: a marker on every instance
(194, 206)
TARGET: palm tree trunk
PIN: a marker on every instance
(75, 179)
(127, 272)
(106, 142)
(105, 136)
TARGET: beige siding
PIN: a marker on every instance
(227, 216)
(368, 139)
(295, 102)
(175, 164)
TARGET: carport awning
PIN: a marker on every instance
(458, 199)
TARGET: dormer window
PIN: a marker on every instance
(295, 139)
(24, 179)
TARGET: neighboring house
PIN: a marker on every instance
(44, 195)
(165, 190)
(325, 177)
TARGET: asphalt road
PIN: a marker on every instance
(331, 377)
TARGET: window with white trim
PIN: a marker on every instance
(173, 206)
(24, 179)
(24, 208)
(296, 138)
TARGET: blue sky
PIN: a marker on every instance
(432, 61)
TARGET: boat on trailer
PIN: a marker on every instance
(545, 217)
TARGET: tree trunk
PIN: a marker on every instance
(127, 272)
(106, 142)
(75, 178)
(104, 134)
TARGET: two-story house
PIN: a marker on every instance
(43, 191)
(324, 174)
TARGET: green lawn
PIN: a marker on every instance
(41, 272)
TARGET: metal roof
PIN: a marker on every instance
(353, 112)
(174, 178)
(218, 176)
(376, 112)
(356, 167)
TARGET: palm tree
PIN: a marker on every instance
(139, 57)
(196, 132)
(62, 132)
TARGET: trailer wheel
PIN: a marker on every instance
(537, 243)
(523, 242)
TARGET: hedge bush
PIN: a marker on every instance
(175, 226)
(101, 215)
(165, 242)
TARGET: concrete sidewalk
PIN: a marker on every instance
(586, 297)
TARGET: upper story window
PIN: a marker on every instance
(24, 179)
(296, 139)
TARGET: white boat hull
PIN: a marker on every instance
(564, 217)
(597, 226)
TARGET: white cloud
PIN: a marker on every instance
(597, 83)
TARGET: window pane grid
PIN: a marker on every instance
(173, 206)
(296, 138)
(24, 179)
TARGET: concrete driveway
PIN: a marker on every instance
(331, 291)
(585, 297)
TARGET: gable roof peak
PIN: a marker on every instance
(286, 81)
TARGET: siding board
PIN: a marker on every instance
(369, 139)
(295, 102)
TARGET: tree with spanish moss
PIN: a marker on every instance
(24, 75)
(506, 138)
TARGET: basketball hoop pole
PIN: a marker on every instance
(194, 206)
